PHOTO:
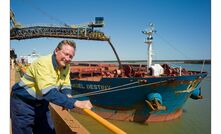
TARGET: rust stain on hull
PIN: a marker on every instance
(128, 116)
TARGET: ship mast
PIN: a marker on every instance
(149, 42)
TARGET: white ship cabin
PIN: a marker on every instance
(26, 60)
(33, 56)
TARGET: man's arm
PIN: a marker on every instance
(67, 92)
(61, 99)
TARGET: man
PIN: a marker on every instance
(45, 80)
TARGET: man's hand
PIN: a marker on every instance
(83, 104)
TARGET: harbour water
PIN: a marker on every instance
(196, 118)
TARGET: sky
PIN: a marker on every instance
(183, 27)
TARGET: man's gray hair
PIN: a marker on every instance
(66, 42)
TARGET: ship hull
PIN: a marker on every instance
(127, 98)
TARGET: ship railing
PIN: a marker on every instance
(176, 67)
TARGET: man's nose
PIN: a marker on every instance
(67, 58)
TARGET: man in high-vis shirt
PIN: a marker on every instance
(45, 80)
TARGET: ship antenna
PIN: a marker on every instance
(149, 42)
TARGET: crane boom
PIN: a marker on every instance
(12, 18)
(56, 32)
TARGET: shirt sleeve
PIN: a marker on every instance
(66, 87)
(66, 91)
(59, 98)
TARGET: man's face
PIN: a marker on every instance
(64, 55)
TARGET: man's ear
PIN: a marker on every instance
(56, 50)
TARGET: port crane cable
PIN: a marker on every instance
(109, 90)
(172, 46)
(33, 5)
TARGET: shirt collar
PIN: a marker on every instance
(54, 62)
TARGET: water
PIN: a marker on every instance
(196, 118)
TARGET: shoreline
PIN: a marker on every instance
(155, 61)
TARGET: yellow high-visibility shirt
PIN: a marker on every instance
(43, 75)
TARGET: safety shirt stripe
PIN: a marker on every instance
(46, 90)
(29, 77)
(66, 87)
(29, 90)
